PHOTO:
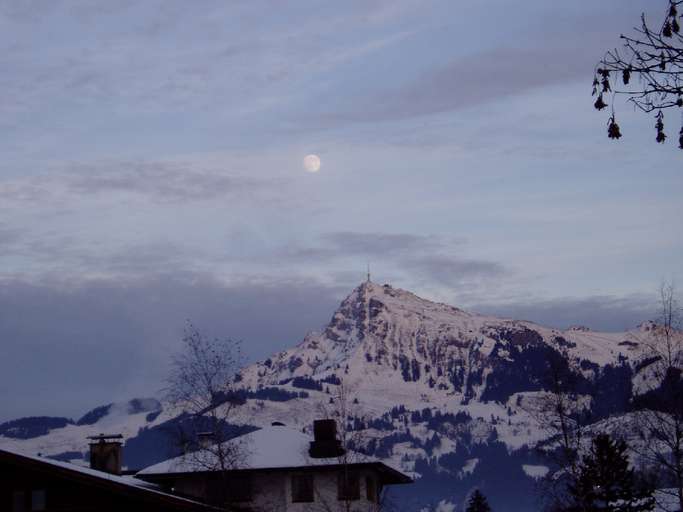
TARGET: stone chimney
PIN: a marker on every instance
(205, 439)
(325, 443)
(106, 453)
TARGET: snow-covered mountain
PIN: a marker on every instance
(392, 339)
(437, 390)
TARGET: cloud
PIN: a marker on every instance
(542, 51)
(344, 244)
(454, 271)
(231, 56)
(8, 236)
(152, 258)
(435, 264)
(426, 254)
(170, 182)
(601, 312)
(341, 244)
(429, 258)
(71, 345)
(382, 244)
(467, 82)
(166, 182)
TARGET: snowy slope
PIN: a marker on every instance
(383, 339)
(70, 442)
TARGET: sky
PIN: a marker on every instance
(152, 173)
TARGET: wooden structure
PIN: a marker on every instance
(37, 484)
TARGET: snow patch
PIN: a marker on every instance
(535, 471)
(469, 467)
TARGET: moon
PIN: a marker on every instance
(312, 163)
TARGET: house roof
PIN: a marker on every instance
(125, 484)
(269, 448)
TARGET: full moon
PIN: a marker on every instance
(312, 163)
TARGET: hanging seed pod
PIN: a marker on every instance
(595, 86)
(626, 75)
(662, 61)
(672, 11)
(613, 131)
(599, 104)
(679, 102)
(680, 139)
(675, 26)
(605, 85)
(659, 126)
(666, 30)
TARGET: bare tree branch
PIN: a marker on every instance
(655, 57)
(201, 387)
(657, 428)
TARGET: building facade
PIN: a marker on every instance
(282, 470)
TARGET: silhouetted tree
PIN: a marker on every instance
(606, 482)
(344, 407)
(201, 387)
(563, 413)
(648, 69)
(658, 419)
(477, 502)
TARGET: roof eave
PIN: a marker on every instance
(391, 476)
(73, 474)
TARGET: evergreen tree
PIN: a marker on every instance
(606, 483)
(477, 502)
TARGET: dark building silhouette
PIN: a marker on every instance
(37, 484)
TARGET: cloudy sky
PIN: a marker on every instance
(152, 172)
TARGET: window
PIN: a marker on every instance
(239, 488)
(371, 489)
(302, 488)
(348, 486)
(18, 501)
(38, 500)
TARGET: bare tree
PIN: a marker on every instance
(343, 407)
(562, 413)
(653, 55)
(201, 387)
(658, 416)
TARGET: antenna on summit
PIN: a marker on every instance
(369, 273)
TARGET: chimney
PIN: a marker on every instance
(105, 453)
(325, 443)
(205, 439)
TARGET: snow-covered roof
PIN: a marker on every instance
(123, 480)
(273, 447)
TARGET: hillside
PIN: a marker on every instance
(436, 390)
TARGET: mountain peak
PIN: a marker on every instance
(370, 307)
(388, 294)
(387, 334)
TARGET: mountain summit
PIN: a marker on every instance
(382, 336)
